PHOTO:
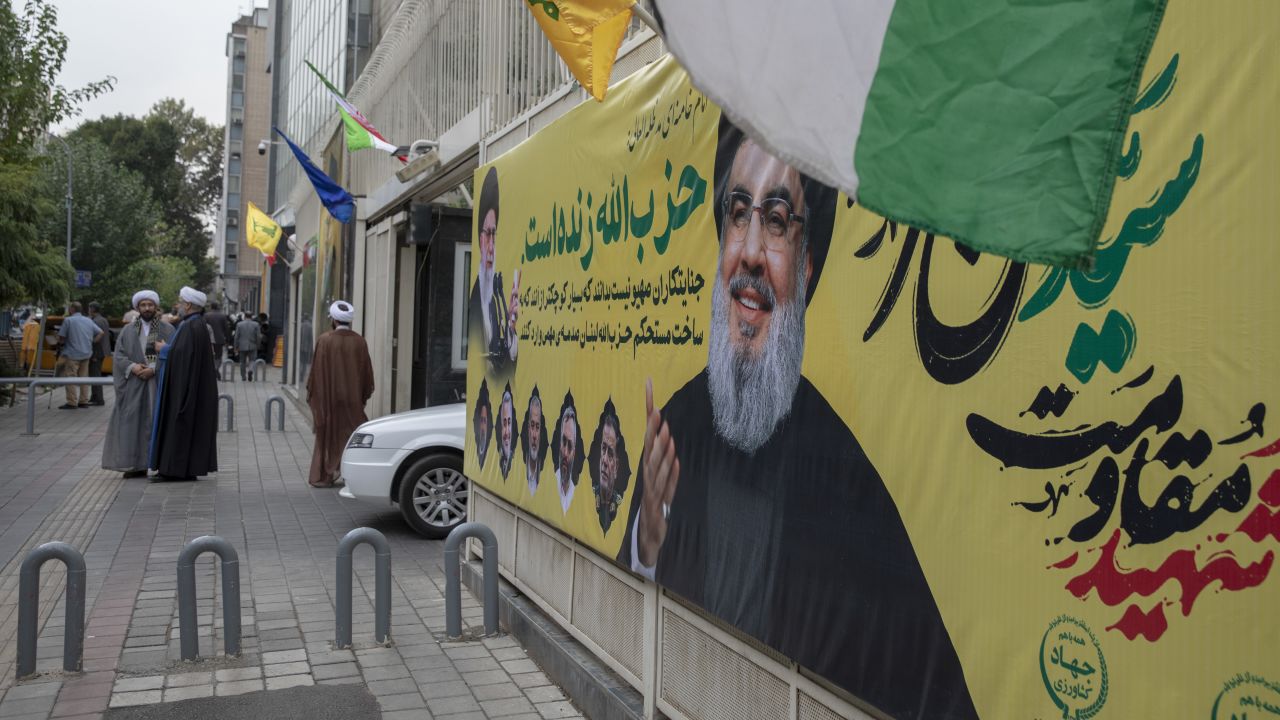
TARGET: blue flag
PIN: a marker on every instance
(336, 199)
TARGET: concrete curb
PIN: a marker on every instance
(597, 690)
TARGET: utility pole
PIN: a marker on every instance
(67, 148)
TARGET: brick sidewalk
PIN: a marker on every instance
(285, 532)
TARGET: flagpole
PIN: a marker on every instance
(646, 17)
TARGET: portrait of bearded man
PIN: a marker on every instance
(609, 465)
(567, 447)
(508, 430)
(533, 440)
(754, 499)
(482, 422)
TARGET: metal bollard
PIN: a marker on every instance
(382, 586)
(259, 373)
(266, 413)
(453, 583)
(29, 606)
(187, 594)
(227, 371)
(231, 410)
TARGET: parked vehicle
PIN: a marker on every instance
(413, 459)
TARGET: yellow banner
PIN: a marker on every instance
(993, 489)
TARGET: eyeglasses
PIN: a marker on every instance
(775, 216)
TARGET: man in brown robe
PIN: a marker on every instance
(340, 383)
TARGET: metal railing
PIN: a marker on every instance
(453, 581)
(382, 586)
(187, 594)
(266, 413)
(33, 382)
(29, 605)
(231, 410)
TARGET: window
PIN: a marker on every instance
(237, 65)
(233, 200)
(237, 99)
(233, 234)
(229, 265)
(237, 82)
(233, 166)
(237, 131)
(461, 304)
(233, 216)
(233, 184)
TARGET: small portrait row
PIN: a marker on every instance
(607, 460)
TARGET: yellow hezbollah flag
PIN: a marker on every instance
(264, 233)
(587, 36)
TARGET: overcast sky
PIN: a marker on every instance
(154, 48)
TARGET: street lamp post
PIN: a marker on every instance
(68, 150)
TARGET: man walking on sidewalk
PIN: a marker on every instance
(184, 432)
(77, 336)
(246, 340)
(101, 349)
(134, 369)
(340, 383)
(219, 328)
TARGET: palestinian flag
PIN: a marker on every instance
(998, 124)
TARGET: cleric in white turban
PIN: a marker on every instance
(340, 383)
(342, 312)
(145, 295)
(134, 374)
(184, 442)
(192, 296)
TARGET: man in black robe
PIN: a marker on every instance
(753, 498)
(184, 435)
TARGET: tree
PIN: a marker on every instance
(30, 268)
(116, 224)
(179, 157)
(32, 52)
(165, 275)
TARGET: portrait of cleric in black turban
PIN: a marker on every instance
(508, 430)
(609, 465)
(753, 498)
(482, 422)
(533, 440)
(493, 314)
(567, 449)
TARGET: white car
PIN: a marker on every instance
(413, 459)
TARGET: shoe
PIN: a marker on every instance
(83, 405)
(67, 406)
(135, 474)
(98, 402)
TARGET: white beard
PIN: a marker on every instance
(486, 297)
(751, 395)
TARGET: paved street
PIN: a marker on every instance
(286, 533)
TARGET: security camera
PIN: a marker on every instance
(262, 147)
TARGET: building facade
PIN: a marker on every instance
(476, 78)
(241, 269)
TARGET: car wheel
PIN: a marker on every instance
(433, 495)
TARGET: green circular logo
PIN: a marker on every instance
(1073, 668)
(1247, 696)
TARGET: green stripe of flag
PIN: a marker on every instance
(999, 121)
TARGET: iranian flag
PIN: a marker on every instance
(998, 124)
(361, 133)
